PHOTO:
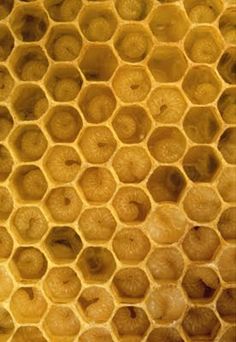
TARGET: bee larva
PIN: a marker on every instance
(6, 324)
(6, 243)
(164, 334)
(28, 334)
(6, 122)
(97, 224)
(166, 264)
(131, 245)
(31, 143)
(226, 264)
(227, 26)
(97, 144)
(96, 303)
(227, 224)
(96, 335)
(132, 164)
(6, 203)
(227, 65)
(226, 305)
(6, 83)
(132, 9)
(62, 284)
(5, 281)
(227, 105)
(6, 163)
(202, 13)
(97, 184)
(229, 335)
(28, 305)
(65, 46)
(66, 89)
(69, 9)
(31, 183)
(227, 182)
(6, 42)
(226, 145)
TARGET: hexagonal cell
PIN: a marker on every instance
(6, 42)
(130, 321)
(29, 182)
(166, 184)
(226, 145)
(167, 64)
(166, 104)
(6, 8)
(97, 22)
(201, 163)
(28, 305)
(131, 245)
(202, 203)
(96, 333)
(64, 43)
(201, 124)
(227, 182)
(6, 243)
(229, 335)
(167, 144)
(5, 281)
(166, 304)
(29, 22)
(203, 11)
(97, 264)
(30, 332)
(92, 63)
(131, 204)
(166, 30)
(227, 25)
(29, 224)
(6, 122)
(131, 124)
(135, 10)
(6, 163)
(227, 105)
(28, 142)
(201, 85)
(6, 203)
(97, 224)
(226, 66)
(226, 305)
(62, 163)
(96, 304)
(226, 263)
(6, 83)
(200, 323)
(97, 103)
(63, 10)
(28, 264)
(131, 83)
(164, 334)
(64, 204)
(227, 224)
(63, 82)
(133, 43)
(64, 123)
(63, 244)
(62, 284)
(29, 62)
(7, 325)
(29, 102)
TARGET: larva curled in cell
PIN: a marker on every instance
(165, 264)
(131, 245)
(6, 83)
(28, 305)
(229, 335)
(66, 89)
(132, 10)
(226, 66)
(6, 324)
(164, 334)
(97, 224)
(30, 183)
(227, 182)
(6, 43)
(96, 304)
(62, 284)
(203, 11)
(132, 164)
(96, 335)
(97, 144)
(226, 145)
(65, 46)
(227, 224)
(6, 122)
(33, 70)
(6, 243)
(6, 203)
(226, 264)
(28, 334)
(226, 305)
(6, 163)
(5, 281)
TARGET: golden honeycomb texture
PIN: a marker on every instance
(117, 170)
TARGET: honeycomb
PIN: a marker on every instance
(117, 170)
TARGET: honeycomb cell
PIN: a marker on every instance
(6, 203)
(29, 102)
(97, 23)
(92, 63)
(6, 42)
(131, 204)
(200, 323)
(165, 264)
(227, 105)
(5, 281)
(28, 305)
(62, 284)
(227, 224)
(200, 243)
(131, 83)
(226, 145)
(133, 10)
(166, 184)
(28, 334)
(229, 335)
(131, 124)
(131, 245)
(64, 204)
(6, 7)
(201, 85)
(63, 10)
(64, 43)
(164, 334)
(6, 324)
(97, 264)
(97, 103)
(226, 264)
(97, 224)
(166, 30)
(96, 304)
(6, 122)
(6, 83)
(63, 82)
(63, 244)
(227, 65)
(227, 25)
(97, 144)
(167, 64)
(167, 144)
(166, 104)
(227, 182)
(203, 11)
(6, 163)
(96, 335)
(226, 305)
(6, 244)
(28, 143)
(29, 22)
(63, 124)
